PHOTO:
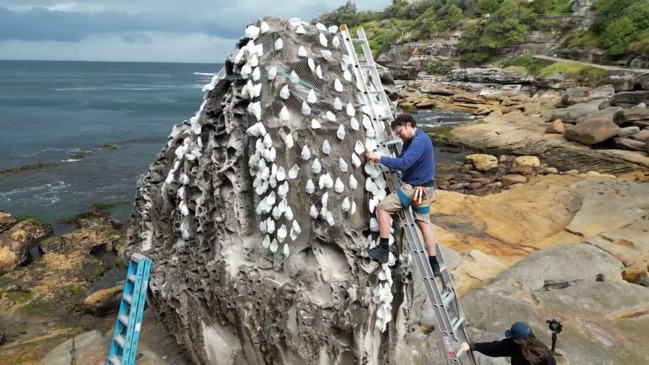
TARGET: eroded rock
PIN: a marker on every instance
(257, 231)
(16, 242)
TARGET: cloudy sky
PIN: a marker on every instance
(141, 30)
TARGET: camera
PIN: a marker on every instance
(554, 325)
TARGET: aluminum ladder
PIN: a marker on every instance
(445, 303)
(123, 347)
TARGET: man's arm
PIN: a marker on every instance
(402, 163)
(494, 349)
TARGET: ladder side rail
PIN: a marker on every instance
(137, 308)
(363, 85)
(120, 328)
(367, 52)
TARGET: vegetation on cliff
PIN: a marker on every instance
(492, 28)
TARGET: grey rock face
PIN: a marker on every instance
(257, 214)
(489, 75)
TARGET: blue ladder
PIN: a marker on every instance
(129, 318)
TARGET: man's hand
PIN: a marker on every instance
(465, 346)
(373, 157)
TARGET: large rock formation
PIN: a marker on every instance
(257, 214)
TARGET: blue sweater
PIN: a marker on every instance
(416, 163)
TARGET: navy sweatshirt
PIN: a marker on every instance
(416, 163)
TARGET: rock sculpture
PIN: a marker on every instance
(258, 212)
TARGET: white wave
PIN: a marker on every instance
(203, 73)
(44, 188)
(71, 160)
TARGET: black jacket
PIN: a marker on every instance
(507, 348)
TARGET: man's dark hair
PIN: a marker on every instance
(403, 119)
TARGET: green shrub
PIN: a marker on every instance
(589, 74)
(439, 67)
(528, 61)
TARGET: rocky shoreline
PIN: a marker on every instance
(527, 196)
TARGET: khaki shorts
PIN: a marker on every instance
(392, 203)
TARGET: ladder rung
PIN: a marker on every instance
(124, 319)
(456, 323)
(392, 142)
(447, 297)
(120, 340)
(114, 360)
(131, 278)
(128, 298)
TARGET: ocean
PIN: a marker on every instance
(94, 128)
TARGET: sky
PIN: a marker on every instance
(202, 31)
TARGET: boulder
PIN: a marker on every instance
(592, 131)
(577, 112)
(482, 162)
(16, 242)
(628, 131)
(489, 76)
(527, 161)
(511, 179)
(6, 221)
(642, 279)
(556, 127)
(580, 95)
(104, 301)
(642, 135)
(245, 270)
(619, 83)
(628, 99)
(629, 144)
(627, 117)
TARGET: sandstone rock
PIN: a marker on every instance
(571, 172)
(629, 99)
(619, 83)
(506, 158)
(600, 202)
(511, 179)
(6, 221)
(551, 170)
(574, 112)
(556, 127)
(527, 161)
(16, 242)
(642, 135)
(482, 162)
(640, 106)
(626, 117)
(103, 302)
(628, 131)
(580, 95)
(522, 170)
(489, 75)
(642, 279)
(155, 347)
(629, 144)
(562, 266)
(592, 131)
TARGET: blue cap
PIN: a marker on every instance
(519, 330)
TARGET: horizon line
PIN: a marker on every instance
(38, 60)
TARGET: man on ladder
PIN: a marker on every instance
(417, 166)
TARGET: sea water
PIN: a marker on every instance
(92, 128)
